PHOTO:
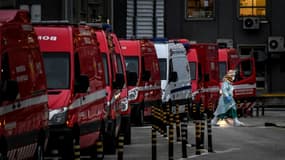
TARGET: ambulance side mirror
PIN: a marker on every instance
(146, 76)
(119, 83)
(9, 90)
(81, 84)
(132, 78)
(173, 77)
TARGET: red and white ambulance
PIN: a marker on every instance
(76, 86)
(203, 61)
(124, 103)
(115, 80)
(141, 59)
(23, 89)
(245, 82)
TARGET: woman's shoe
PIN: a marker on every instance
(214, 121)
(238, 123)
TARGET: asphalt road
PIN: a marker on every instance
(255, 141)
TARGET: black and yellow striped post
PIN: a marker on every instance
(99, 150)
(121, 146)
(153, 134)
(76, 148)
(164, 121)
(198, 136)
(209, 130)
(177, 120)
(160, 115)
(184, 132)
(168, 117)
(202, 125)
(171, 137)
(153, 143)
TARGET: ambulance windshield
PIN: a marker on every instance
(192, 70)
(57, 68)
(132, 63)
(222, 70)
(163, 67)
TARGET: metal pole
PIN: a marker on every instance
(171, 137)
(177, 120)
(198, 136)
(99, 149)
(209, 129)
(184, 133)
(121, 146)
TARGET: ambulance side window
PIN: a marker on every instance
(5, 76)
(113, 71)
(199, 72)
(146, 74)
(5, 69)
(192, 70)
(76, 68)
(170, 68)
(106, 69)
(142, 65)
(8, 88)
(222, 69)
(246, 68)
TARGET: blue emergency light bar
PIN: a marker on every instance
(160, 40)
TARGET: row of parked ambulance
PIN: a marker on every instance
(65, 87)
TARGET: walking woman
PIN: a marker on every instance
(227, 106)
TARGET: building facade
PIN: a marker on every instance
(254, 27)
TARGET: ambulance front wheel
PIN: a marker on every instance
(140, 117)
(3, 148)
(126, 129)
(39, 153)
(109, 138)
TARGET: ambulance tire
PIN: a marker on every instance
(3, 148)
(39, 152)
(139, 117)
(95, 148)
(110, 139)
(66, 147)
(127, 130)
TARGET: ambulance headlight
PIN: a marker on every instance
(133, 94)
(58, 116)
(124, 105)
(163, 96)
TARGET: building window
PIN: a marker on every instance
(199, 9)
(35, 11)
(252, 8)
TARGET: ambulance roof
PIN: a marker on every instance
(130, 47)
(165, 50)
(55, 38)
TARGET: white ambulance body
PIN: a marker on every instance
(175, 74)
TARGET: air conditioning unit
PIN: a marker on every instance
(250, 23)
(276, 44)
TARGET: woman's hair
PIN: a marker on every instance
(230, 75)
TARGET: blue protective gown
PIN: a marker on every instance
(224, 106)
